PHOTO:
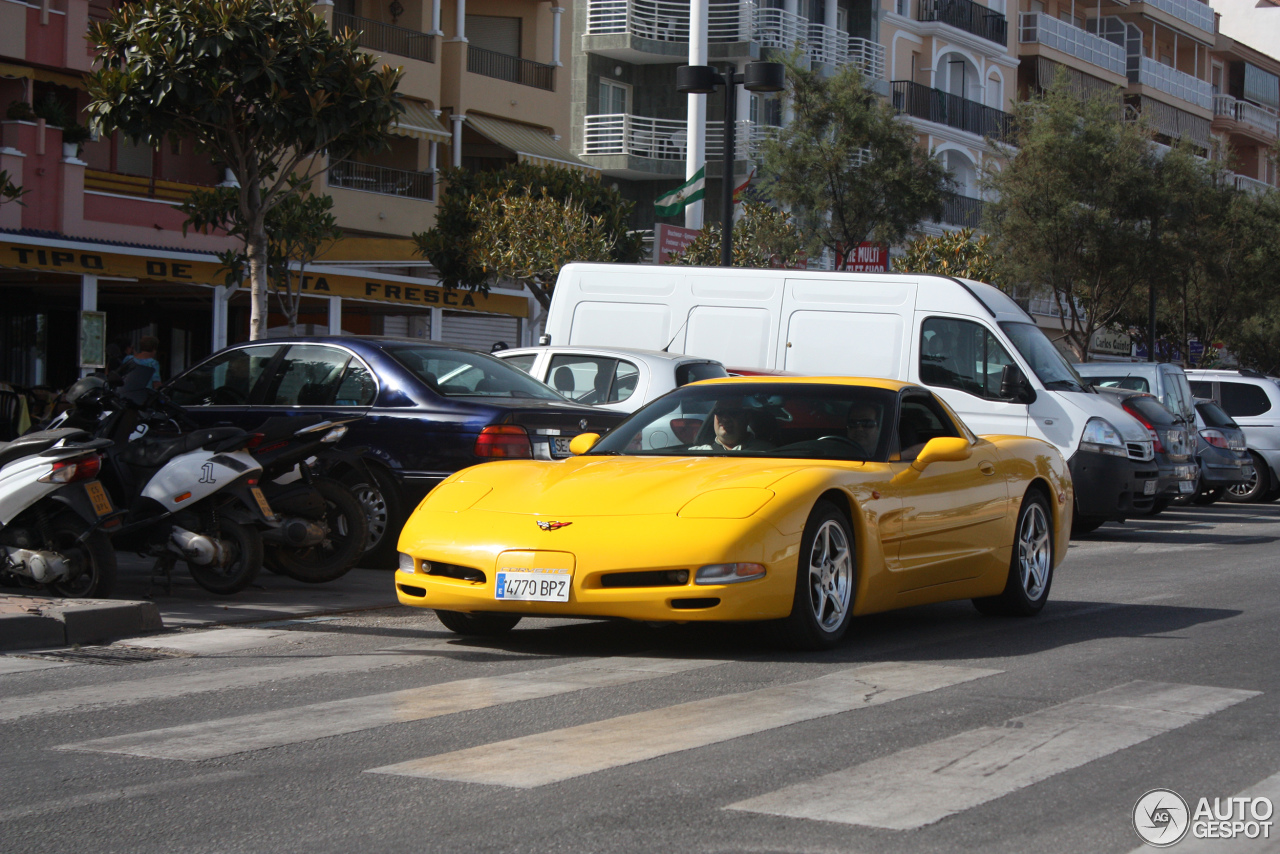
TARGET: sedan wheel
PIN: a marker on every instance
(1252, 489)
(825, 578)
(1031, 570)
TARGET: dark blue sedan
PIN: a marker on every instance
(429, 410)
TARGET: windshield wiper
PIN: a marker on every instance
(1063, 384)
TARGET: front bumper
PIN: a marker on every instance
(1110, 487)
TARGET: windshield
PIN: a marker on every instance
(463, 373)
(1053, 371)
(775, 420)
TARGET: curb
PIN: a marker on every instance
(30, 622)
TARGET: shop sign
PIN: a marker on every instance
(671, 240)
(867, 257)
(1111, 342)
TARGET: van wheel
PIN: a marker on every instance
(1031, 568)
(1253, 489)
(1081, 525)
(826, 577)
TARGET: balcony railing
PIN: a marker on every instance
(1195, 13)
(944, 108)
(963, 211)
(665, 139)
(383, 180)
(1179, 84)
(868, 56)
(668, 20)
(1038, 28)
(385, 38)
(969, 16)
(1252, 185)
(513, 69)
(1262, 118)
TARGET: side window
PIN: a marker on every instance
(1202, 390)
(357, 387)
(308, 376)
(625, 377)
(522, 363)
(1173, 398)
(962, 354)
(585, 379)
(224, 380)
(920, 420)
(1242, 399)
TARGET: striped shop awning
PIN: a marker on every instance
(530, 144)
(416, 122)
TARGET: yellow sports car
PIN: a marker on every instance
(803, 500)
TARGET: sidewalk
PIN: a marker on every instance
(32, 621)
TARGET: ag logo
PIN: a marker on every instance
(1161, 818)
(206, 473)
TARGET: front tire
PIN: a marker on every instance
(480, 625)
(826, 577)
(240, 564)
(348, 534)
(1031, 567)
(93, 560)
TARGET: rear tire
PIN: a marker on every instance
(342, 547)
(93, 560)
(384, 516)
(1081, 525)
(242, 561)
(1253, 489)
(480, 625)
(1031, 567)
(826, 578)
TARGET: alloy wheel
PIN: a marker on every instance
(1034, 551)
(830, 575)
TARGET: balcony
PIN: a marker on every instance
(969, 16)
(385, 38)
(1263, 119)
(513, 69)
(668, 20)
(1037, 28)
(120, 184)
(1170, 81)
(1251, 185)
(961, 211)
(383, 180)
(934, 105)
(1193, 12)
(665, 139)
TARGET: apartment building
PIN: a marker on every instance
(1246, 110)
(98, 247)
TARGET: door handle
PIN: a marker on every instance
(986, 468)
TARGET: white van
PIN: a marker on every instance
(968, 342)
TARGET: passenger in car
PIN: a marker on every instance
(732, 430)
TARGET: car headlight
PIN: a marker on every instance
(1100, 435)
(728, 573)
(407, 563)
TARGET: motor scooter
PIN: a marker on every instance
(54, 514)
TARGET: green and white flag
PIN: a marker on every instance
(692, 190)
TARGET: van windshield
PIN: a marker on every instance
(1053, 371)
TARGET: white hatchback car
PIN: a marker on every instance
(1253, 402)
(618, 379)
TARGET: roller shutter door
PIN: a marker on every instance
(480, 331)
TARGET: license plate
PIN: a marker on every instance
(262, 501)
(1149, 488)
(98, 495)
(560, 447)
(1186, 487)
(533, 585)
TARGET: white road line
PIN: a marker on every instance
(226, 736)
(126, 692)
(1268, 788)
(924, 784)
(550, 757)
(109, 795)
(213, 640)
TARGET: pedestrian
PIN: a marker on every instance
(141, 371)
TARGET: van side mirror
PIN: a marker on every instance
(582, 443)
(943, 449)
(1014, 386)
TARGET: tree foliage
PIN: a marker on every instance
(763, 237)
(260, 84)
(964, 253)
(9, 191)
(475, 206)
(297, 229)
(845, 167)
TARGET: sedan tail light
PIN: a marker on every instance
(1155, 437)
(70, 471)
(504, 441)
(1216, 438)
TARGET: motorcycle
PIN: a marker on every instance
(53, 513)
(323, 530)
(190, 496)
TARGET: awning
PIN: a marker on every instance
(530, 144)
(8, 70)
(75, 81)
(417, 122)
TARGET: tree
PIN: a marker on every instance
(9, 191)
(845, 168)
(297, 228)
(1073, 207)
(260, 84)
(764, 237)
(963, 253)
(472, 201)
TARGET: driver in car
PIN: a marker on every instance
(732, 430)
(863, 426)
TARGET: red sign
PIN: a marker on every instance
(867, 258)
(671, 240)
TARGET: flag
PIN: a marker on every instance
(738, 190)
(692, 190)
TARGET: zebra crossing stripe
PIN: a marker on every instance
(243, 733)
(550, 757)
(922, 785)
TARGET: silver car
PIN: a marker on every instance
(1253, 402)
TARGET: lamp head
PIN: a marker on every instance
(698, 79)
(765, 77)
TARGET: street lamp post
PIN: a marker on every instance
(703, 80)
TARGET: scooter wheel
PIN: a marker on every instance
(93, 560)
(348, 535)
(240, 566)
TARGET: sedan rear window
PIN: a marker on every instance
(464, 373)
(1130, 382)
(691, 372)
(1152, 410)
(1214, 416)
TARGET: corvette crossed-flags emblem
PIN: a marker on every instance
(553, 526)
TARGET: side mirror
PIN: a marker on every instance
(1014, 386)
(948, 449)
(583, 442)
